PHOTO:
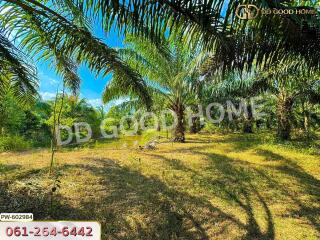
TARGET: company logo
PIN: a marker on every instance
(251, 11)
(247, 11)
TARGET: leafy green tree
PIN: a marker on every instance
(75, 110)
(170, 72)
(59, 31)
(288, 81)
(12, 115)
(29, 122)
(115, 114)
(34, 127)
(60, 28)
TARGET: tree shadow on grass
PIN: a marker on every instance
(310, 186)
(130, 205)
(236, 185)
(269, 155)
(241, 142)
(175, 215)
(232, 183)
(140, 207)
(5, 168)
(172, 163)
(32, 199)
(237, 181)
(22, 192)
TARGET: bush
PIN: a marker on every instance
(13, 143)
(210, 128)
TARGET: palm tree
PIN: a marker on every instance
(61, 30)
(59, 33)
(170, 72)
(214, 25)
(288, 81)
(17, 76)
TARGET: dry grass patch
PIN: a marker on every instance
(212, 187)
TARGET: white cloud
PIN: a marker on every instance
(119, 101)
(47, 80)
(95, 102)
(53, 82)
(116, 102)
(47, 95)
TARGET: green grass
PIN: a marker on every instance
(14, 143)
(228, 186)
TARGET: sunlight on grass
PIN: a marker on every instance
(211, 187)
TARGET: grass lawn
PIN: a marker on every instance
(228, 186)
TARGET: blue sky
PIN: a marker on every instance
(91, 86)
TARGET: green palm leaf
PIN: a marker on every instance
(17, 75)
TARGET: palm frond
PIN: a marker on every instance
(60, 38)
(17, 75)
(121, 86)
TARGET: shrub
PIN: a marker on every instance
(13, 143)
(210, 128)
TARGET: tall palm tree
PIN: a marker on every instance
(288, 81)
(59, 30)
(171, 76)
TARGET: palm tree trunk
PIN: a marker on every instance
(284, 114)
(179, 131)
(2, 117)
(195, 127)
(248, 122)
(305, 118)
(306, 123)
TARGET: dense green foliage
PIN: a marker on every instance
(22, 128)
(231, 174)
(177, 54)
(171, 74)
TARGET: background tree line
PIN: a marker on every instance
(178, 53)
